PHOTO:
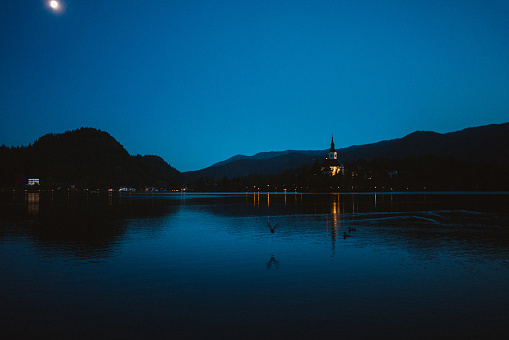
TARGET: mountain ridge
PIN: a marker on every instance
(487, 143)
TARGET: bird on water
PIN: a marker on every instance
(272, 228)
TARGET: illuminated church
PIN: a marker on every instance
(331, 165)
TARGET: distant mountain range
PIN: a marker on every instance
(91, 158)
(488, 144)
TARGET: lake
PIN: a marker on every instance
(208, 266)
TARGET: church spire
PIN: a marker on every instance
(331, 165)
(332, 152)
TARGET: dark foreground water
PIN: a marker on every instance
(350, 266)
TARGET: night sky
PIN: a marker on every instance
(197, 82)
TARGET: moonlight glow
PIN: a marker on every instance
(53, 4)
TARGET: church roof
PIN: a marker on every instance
(330, 162)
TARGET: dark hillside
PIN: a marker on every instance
(86, 158)
(488, 143)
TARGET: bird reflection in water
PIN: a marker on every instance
(272, 263)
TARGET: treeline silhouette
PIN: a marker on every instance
(83, 158)
(426, 173)
(88, 158)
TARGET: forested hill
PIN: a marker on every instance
(85, 158)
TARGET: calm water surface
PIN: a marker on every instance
(207, 266)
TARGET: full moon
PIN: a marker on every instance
(53, 4)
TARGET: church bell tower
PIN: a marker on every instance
(331, 165)
(332, 153)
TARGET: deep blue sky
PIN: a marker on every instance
(197, 82)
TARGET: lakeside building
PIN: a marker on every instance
(331, 165)
(33, 181)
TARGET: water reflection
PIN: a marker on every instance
(402, 265)
(32, 199)
(437, 233)
(421, 223)
(87, 227)
(335, 219)
(91, 225)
